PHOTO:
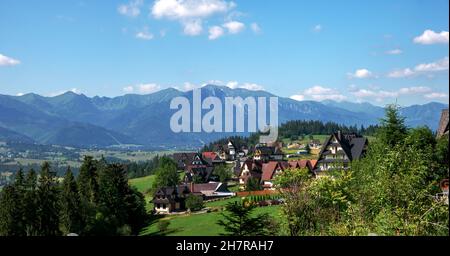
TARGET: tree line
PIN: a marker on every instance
(293, 130)
(98, 202)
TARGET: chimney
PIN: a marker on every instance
(339, 135)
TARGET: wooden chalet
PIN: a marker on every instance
(170, 199)
(339, 150)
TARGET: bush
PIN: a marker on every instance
(194, 203)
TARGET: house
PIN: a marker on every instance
(183, 159)
(315, 144)
(170, 199)
(250, 170)
(211, 190)
(443, 124)
(300, 164)
(339, 150)
(266, 153)
(200, 168)
(212, 158)
(269, 172)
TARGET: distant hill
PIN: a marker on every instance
(77, 120)
(10, 136)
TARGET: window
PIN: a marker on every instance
(164, 206)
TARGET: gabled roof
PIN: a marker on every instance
(211, 155)
(268, 169)
(352, 144)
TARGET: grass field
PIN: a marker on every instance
(204, 224)
(142, 184)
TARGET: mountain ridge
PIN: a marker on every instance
(78, 120)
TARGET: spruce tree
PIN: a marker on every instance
(19, 185)
(47, 203)
(71, 215)
(10, 215)
(393, 129)
(30, 199)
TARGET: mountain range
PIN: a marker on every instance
(77, 120)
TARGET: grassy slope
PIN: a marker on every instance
(199, 224)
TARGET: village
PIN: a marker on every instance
(253, 168)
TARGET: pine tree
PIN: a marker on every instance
(10, 216)
(239, 222)
(87, 180)
(30, 199)
(393, 129)
(71, 215)
(47, 203)
(19, 185)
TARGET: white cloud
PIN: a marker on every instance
(317, 28)
(193, 27)
(255, 28)
(131, 9)
(128, 89)
(148, 88)
(401, 73)
(215, 32)
(319, 93)
(252, 87)
(431, 37)
(298, 97)
(144, 34)
(234, 27)
(142, 88)
(439, 65)
(436, 95)
(189, 9)
(394, 52)
(20, 94)
(8, 61)
(361, 73)
(232, 84)
(380, 95)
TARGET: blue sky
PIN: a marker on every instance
(376, 51)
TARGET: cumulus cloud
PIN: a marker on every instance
(144, 34)
(234, 27)
(394, 52)
(193, 27)
(361, 73)
(252, 87)
(8, 61)
(425, 68)
(192, 14)
(142, 88)
(148, 88)
(431, 37)
(436, 95)
(380, 95)
(319, 93)
(128, 89)
(131, 9)
(215, 32)
(189, 9)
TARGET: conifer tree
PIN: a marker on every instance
(10, 216)
(30, 205)
(71, 216)
(47, 203)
